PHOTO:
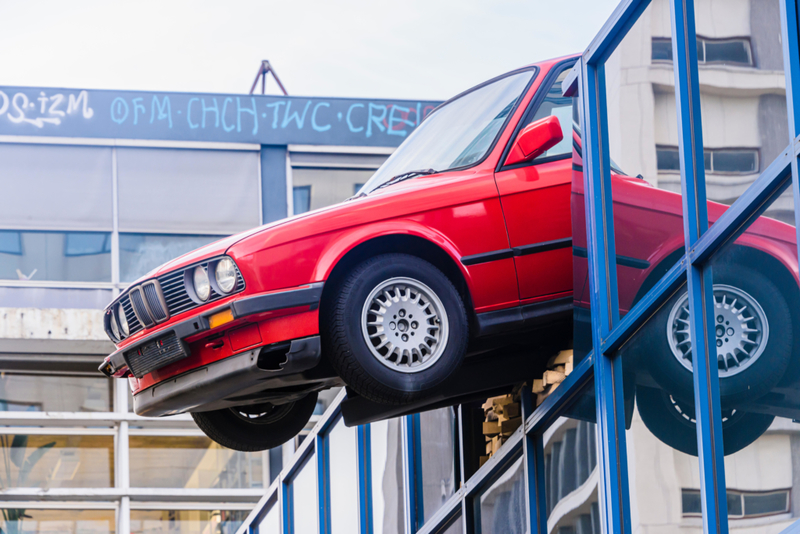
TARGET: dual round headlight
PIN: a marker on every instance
(118, 323)
(224, 278)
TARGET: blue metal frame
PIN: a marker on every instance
(609, 332)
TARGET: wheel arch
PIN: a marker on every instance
(737, 253)
(410, 244)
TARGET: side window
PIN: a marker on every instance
(566, 109)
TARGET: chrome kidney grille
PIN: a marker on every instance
(155, 301)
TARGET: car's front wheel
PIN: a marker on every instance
(395, 329)
(256, 427)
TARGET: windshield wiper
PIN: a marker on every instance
(405, 176)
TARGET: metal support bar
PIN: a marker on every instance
(701, 295)
(790, 32)
(612, 458)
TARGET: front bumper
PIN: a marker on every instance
(118, 362)
(232, 381)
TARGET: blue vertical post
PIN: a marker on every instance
(534, 469)
(364, 480)
(700, 283)
(791, 67)
(614, 497)
(274, 204)
(323, 483)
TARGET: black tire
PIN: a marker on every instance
(753, 381)
(672, 422)
(242, 429)
(345, 344)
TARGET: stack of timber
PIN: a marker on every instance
(502, 416)
(558, 368)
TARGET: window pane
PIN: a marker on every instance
(570, 467)
(559, 106)
(459, 133)
(186, 521)
(330, 186)
(57, 256)
(741, 161)
(662, 49)
(387, 476)
(58, 393)
(668, 159)
(766, 503)
(691, 503)
(731, 52)
(48, 187)
(502, 505)
(35, 461)
(271, 524)
(734, 504)
(304, 498)
(141, 253)
(301, 199)
(191, 462)
(437, 429)
(181, 191)
(19, 521)
(344, 479)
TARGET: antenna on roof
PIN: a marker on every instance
(263, 70)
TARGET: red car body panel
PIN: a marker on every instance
(467, 212)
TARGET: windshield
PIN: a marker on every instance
(457, 134)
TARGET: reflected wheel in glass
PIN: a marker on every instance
(741, 330)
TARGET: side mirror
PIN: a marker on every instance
(535, 139)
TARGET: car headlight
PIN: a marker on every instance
(225, 275)
(112, 322)
(202, 287)
(123, 321)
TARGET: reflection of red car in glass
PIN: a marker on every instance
(461, 239)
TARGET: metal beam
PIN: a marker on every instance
(612, 456)
(614, 30)
(701, 299)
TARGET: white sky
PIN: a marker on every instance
(421, 49)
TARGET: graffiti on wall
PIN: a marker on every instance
(208, 117)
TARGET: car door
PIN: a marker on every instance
(535, 197)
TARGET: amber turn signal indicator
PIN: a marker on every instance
(220, 318)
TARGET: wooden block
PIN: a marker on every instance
(509, 411)
(508, 427)
(483, 460)
(558, 369)
(487, 405)
(502, 400)
(538, 386)
(491, 428)
(497, 442)
(568, 368)
(489, 447)
(560, 359)
(552, 377)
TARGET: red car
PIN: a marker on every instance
(461, 239)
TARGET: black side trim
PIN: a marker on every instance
(524, 250)
(484, 257)
(495, 322)
(625, 261)
(307, 296)
(542, 247)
